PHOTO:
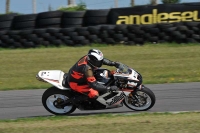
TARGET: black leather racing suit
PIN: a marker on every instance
(81, 77)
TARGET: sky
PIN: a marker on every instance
(25, 6)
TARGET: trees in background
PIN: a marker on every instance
(79, 7)
(152, 2)
(155, 2)
(82, 6)
(170, 1)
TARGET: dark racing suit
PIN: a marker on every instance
(81, 78)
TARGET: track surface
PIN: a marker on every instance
(169, 97)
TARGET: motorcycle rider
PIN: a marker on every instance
(81, 77)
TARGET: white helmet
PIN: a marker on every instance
(95, 58)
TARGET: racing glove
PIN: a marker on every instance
(112, 88)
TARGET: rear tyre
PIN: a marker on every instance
(51, 99)
(144, 101)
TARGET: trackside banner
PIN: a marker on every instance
(163, 13)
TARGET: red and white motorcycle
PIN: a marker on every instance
(59, 99)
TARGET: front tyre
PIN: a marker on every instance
(140, 100)
(51, 99)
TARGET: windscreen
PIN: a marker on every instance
(124, 69)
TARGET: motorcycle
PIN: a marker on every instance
(60, 99)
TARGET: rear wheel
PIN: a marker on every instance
(140, 100)
(52, 99)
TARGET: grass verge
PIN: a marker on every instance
(157, 63)
(134, 123)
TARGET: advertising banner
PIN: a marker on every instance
(163, 13)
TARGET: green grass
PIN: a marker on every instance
(166, 63)
(107, 123)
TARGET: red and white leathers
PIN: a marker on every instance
(81, 78)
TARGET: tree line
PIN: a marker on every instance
(82, 6)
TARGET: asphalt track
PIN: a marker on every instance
(169, 97)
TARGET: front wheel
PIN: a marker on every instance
(53, 97)
(140, 100)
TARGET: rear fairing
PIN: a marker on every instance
(54, 77)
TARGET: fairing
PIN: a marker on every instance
(54, 77)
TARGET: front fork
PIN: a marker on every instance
(134, 95)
